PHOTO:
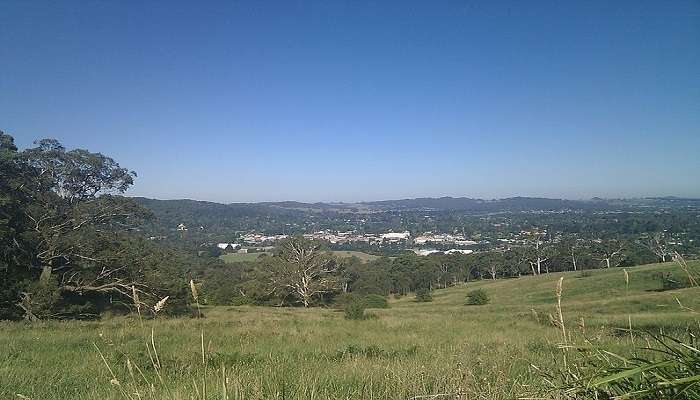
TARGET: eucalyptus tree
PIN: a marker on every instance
(538, 253)
(610, 252)
(12, 224)
(73, 243)
(303, 270)
(657, 244)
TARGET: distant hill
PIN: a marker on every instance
(217, 216)
(468, 204)
(294, 217)
(426, 203)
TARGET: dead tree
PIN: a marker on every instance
(493, 270)
(657, 245)
(538, 257)
(304, 270)
(611, 253)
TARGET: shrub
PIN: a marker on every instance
(342, 300)
(355, 310)
(375, 301)
(477, 297)
(40, 298)
(423, 295)
(240, 301)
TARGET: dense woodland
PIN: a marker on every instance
(72, 246)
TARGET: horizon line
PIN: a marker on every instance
(594, 198)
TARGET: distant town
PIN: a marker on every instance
(350, 237)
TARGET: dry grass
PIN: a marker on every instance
(411, 349)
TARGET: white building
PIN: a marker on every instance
(228, 246)
(396, 236)
(459, 251)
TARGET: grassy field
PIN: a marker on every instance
(240, 257)
(364, 257)
(411, 349)
(243, 257)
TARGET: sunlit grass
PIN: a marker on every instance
(410, 349)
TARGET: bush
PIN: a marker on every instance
(341, 301)
(355, 310)
(423, 295)
(240, 301)
(477, 297)
(41, 298)
(375, 301)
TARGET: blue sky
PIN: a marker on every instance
(348, 101)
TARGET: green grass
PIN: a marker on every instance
(247, 257)
(411, 349)
(240, 257)
(364, 257)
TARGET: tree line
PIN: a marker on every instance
(304, 273)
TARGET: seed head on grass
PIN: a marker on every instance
(135, 296)
(160, 305)
(558, 292)
(686, 268)
(193, 288)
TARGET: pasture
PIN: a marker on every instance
(241, 257)
(364, 257)
(441, 348)
(247, 257)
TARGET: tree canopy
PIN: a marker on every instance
(67, 243)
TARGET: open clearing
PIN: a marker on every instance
(247, 257)
(411, 349)
(240, 257)
(364, 257)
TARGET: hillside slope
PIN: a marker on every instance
(601, 297)
(411, 350)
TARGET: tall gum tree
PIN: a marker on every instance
(74, 216)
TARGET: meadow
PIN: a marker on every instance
(364, 257)
(248, 257)
(435, 350)
(240, 257)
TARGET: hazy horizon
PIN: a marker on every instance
(410, 198)
(336, 101)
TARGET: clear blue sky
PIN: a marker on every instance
(346, 101)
